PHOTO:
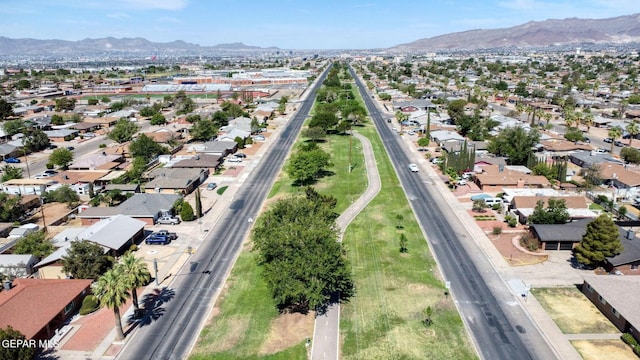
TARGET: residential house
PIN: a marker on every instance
(164, 136)
(99, 161)
(26, 186)
(37, 308)
(559, 236)
(561, 147)
(80, 181)
(496, 177)
(17, 265)
(585, 159)
(204, 161)
(61, 135)
(628, 261)
(175, 180)
(219, 148)
(615, 297)
(85, 127)
(234, 133)
(146, 207)
(523, 206)
(8, 150)
(625, 182)
(102, 122)
(440, 136)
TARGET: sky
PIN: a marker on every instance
(287, 24)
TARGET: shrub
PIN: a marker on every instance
(102, 146)
(529, 242)
(496, 207)
(186, 213)
(636, 350)
(89, 305)
(133, 248)
(513, 222)
(497, 230)
(49, 165)
(629, 339)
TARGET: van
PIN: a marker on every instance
(492, 201)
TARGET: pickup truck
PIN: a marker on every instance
(157, 239)
(170, 235)
(168, 220)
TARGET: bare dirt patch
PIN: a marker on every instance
(603, 349)
(287, 330)
(235, 330)
(573, 312)
(510, 253)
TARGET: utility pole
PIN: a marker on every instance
(350, 136)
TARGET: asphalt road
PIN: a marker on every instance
(176, 322)
(499, 327)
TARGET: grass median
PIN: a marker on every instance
(385, 319)
(245, 323)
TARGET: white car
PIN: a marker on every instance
(413, 168)
(234, 159)
(436, 160)
(462, 182)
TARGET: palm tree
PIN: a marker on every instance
(134, 273)
(614, 133)
(539, 113)
(547, 117)
(633, 129)
(111, 291)
(519, 110)
(529, 110)
(588, 120)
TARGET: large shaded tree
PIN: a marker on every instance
(10, 208)
(61, 157)
(601, 240)
(35, 244)
(555, 213)
(306, 166)
(203, 130)
(14, 352)
(111, 292)
(516, 143)
(297, 248)
(144, 146)
(123, 131)
(85, 260)
(36, 140)
(6, 109)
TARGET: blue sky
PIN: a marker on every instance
(288, 24)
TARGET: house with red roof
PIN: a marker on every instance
(37, 307)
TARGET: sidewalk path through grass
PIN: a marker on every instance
(326, 331)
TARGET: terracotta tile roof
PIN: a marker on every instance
(492, 176)
(32, 303)
(563, 145)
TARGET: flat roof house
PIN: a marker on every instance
(146, 207)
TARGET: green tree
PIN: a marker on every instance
(65, 103)
(35, 244)
(630, 155)
(403, 243)
(14, 352)
(144, 147)
(323, 120)
(36, 141)
(479, 205)
(85, 260)
(10, 172)
(23, 84)
(306, 166)
(314, 133)
(123, 131)
(255, 126)
(57, 119)
(601, 240)
(301, 230)
(134, 273)
(186, 212)
(112, 293)
(61, 157)
(12, 127)
(63, 194)
(158, 119)
(203, 130)
(515, 143)
(6, 110)
(455, 110)
(555, 213)
(574, 135)
(633, 129)
(198, 200)
(10, 208)
(614, 133)
(423, 141)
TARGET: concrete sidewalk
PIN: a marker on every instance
(326, 330)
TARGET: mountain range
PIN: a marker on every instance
(571, 31)
(617, 30)
(17, 47)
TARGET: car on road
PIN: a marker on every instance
(618, 143)
(12, 160)
(212, 186)
(167, 233)
(413, 168)
(586, 139)
(89, 135)
(52, 146)
(168, 220)
(155, 239)
(608, 140)
(70, 148)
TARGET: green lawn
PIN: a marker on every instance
(384, 319)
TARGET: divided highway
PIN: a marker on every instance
(173, 333)
(499, 326)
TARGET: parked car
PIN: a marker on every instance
(234, 159)
(89, 135)
(50, 172)
(12, 160)
(618, 143)
(167, 233)
(258, 138)
(436, 160)
(462, 182)
(411, 132)
(240, 155)
(168, 220)
(70, 148)
(52, 146)
(413, 168)
(608, 140)
(586, 139)
(212, 186)
(157, 239)
(42, 175)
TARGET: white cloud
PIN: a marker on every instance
(153, 4)
(118, 15)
